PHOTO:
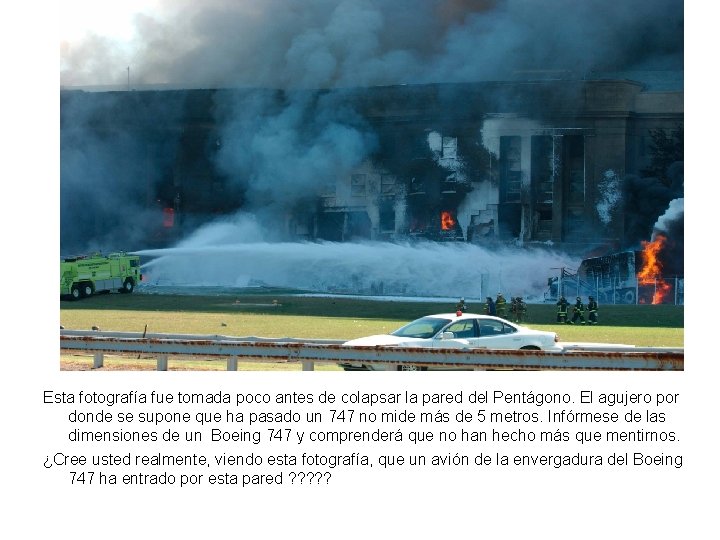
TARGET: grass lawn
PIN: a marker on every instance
(331, 318)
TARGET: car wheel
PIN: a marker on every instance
(411, 368)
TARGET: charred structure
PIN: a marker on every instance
(522, 161)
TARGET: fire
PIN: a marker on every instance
(168, 218)
(447, 222)
(651, 272)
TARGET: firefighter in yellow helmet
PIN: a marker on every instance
(500, 305)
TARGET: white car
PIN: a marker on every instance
(458, 330)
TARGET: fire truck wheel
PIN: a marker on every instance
(128, 286)
(87, 289)
(75, 292)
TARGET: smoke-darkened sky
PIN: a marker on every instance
(336, 43)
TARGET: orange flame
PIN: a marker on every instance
(168, 218)
(651, 272)
(446, 221)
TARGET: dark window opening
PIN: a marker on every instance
(574, 182)
(541, 169)
(387, 218)
(510, 169)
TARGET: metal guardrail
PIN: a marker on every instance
(578, 356)
(216, 337)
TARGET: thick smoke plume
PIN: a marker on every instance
(281, 156)
(349, 43)
(658, 208)
(672, 226)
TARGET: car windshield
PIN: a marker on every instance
(426, 327)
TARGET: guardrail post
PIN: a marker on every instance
(98, 360)
(232, 363)
(308, 365)
(162, 362)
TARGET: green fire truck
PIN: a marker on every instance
(86, 275)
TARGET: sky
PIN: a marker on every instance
(80, 18)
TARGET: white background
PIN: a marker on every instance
(544, 503)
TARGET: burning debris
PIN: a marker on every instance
(651, 274)
(447, 222)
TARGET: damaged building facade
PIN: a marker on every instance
(524, 161)
(543, 163)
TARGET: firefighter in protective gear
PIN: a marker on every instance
(461, 305)
(578, 311)
(520, 309)
(562, 310)
(490, 307)
(592, 310)
(500, 305)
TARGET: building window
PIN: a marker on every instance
(449, 147)
(575, 163)
(541, 168)
(357, 185)
(387, 184)
(510, 169)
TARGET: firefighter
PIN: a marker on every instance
(562, 310)
(578, 311)
(461, 305)
(520, 309)
(592, 310)
(490, 307)
(500, 305)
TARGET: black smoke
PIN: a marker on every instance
(351, 43)
(653, 207)
(646, 199)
